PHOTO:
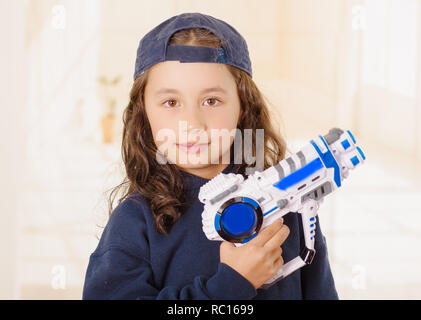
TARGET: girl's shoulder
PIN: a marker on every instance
(130, 210)
(127, 226)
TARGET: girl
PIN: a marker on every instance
(192, 77)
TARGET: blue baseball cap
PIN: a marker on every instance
(153, 47)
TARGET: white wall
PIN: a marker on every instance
(12, 137)
(65, 158)
(389, 97)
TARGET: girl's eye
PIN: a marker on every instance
(213, 104)
(172, 102)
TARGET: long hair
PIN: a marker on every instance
(161, 185)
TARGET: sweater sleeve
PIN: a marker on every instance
(120, 266)
(116, 274)
(316, 278)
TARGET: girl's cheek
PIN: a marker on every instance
(228, 118)
(224, 124)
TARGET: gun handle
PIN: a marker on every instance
(308, 218)
(284, 271)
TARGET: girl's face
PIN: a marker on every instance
(193, 103)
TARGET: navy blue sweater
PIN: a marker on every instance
(134, 261)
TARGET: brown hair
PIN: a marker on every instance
(161, 185)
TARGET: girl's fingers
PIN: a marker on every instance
(275, 253)
(267, 233)
(278, 239)
(278, 263)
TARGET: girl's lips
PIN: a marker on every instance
(192, 148)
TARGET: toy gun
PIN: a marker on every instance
(236, 209)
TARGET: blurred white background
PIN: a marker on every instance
(67, 70)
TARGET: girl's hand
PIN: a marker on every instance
(260, 258)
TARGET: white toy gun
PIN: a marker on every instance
(236, 209)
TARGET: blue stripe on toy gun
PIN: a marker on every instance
(299, 175)
(329, 161)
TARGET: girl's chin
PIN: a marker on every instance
(196, 162)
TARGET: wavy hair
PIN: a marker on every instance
(161, 185)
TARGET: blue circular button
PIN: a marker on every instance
(239, 220)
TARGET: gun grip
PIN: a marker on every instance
(284, 271)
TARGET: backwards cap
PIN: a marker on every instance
(153, 47)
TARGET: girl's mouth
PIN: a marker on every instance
(192, 147)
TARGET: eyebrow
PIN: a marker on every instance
(207, 90)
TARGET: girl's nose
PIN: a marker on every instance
(194, 120)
